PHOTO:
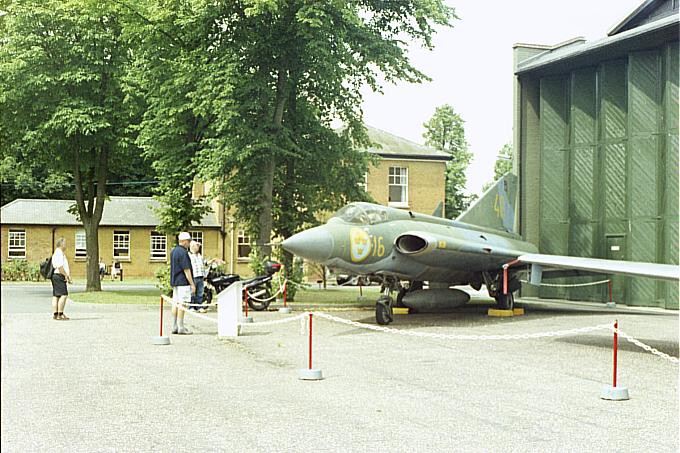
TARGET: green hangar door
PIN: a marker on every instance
(616, 250)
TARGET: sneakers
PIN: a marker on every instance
(183, 331)
(203, 310)
(60, 317)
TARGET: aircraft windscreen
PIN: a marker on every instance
(362, 215)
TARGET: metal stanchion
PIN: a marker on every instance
(611, 303)
(612, 392)
(160, 339)
(310, 374)
(285, 309)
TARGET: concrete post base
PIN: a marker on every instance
(246, 319)
(285, 310)
(157, 340)
(611, 304)
(614, 393)
(306, 374)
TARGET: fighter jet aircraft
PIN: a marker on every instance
(405, 249)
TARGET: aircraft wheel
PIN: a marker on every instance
(383, 311)
(506, 301)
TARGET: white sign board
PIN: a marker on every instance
(229, 311)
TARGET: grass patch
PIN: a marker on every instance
(336, 296)
(137, 297)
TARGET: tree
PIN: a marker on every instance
(62, 106)
(503, 162)
(298, 66)
(502, 165)
(445, 131)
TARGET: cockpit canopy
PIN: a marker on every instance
(362, 214)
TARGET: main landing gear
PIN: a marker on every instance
(383, 310)
(494, 284)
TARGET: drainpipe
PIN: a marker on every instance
(231, 246)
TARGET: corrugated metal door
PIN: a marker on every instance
(616, 250)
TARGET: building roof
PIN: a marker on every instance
(581, 53)
(118, 211)
(395, 147)
(648, 11)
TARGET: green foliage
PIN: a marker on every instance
(162, 275)
(502, 166)
(21, 270)
(62, 104)
(445, 131)
(503, 162)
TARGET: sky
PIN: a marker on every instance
(471, 69)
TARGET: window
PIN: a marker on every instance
(81, 244)
(243, 245)
(197, 236)
(121, 244)
(398, 183)
(364, 183)
(159, 246)
(17, 244)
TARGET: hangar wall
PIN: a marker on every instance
(607, 163)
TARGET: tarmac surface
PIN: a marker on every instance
(96, 383)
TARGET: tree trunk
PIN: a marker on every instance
(265, 217)
(92, 263)
(91, 213)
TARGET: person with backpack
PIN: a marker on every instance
(60, 277)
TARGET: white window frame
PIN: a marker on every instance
(242, 239)
(364, 183)
(16, 243)
(121, 240)
(158, 246)
(80, 239)
(398, 177)
(197, 236)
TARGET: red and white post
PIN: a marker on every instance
(160, 339)
(309, 373)
(611, 303)
(285, 309)
(246, 318)
(614, 392)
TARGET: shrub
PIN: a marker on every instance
(162, 275)
(21, 271)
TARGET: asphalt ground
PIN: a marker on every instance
(96, 383)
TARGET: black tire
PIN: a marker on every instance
(382, 314)
(260, 306)
(506, 302)
(207, 296)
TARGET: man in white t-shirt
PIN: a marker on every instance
(60, 277)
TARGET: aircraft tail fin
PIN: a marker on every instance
(439, 210)
(497, 207)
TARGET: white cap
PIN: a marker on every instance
(184, 236)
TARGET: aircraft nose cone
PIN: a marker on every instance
(315, 244)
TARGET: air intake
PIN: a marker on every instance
(410, 243)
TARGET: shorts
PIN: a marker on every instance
(59, 285)
(181, 294)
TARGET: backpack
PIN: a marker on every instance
(46, 269)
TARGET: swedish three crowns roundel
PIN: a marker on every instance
(360, 244)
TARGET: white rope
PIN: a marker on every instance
(277, 321)
(441, 336)
(573, 285)
(646, 347)
(180, 306)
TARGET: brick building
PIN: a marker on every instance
(408, 176)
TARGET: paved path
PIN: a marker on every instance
(96, 383)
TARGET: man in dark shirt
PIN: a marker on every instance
(181, 281)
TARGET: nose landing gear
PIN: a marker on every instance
(383, 310)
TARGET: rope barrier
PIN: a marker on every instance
(440, 336)
(646, 347)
